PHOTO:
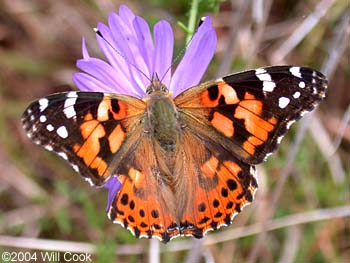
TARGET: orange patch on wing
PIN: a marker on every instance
(137, 177)
(222, 124)
(273, 120)
(224, 90)
(87, 128)
(228, 92)
(100, 165)
(254, 124)
(122, 112)
(248, 147)
(88, 117)
(254, 106)
(116, 138)
(206, 101)
(232, 167)
(92, 131)
(76, 147)
(209, 167)
(105, 109)
(249, 96)
(255, 141)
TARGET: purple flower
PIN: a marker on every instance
(129, 48)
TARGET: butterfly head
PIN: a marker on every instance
(157, 88)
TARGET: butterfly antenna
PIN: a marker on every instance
(98, 32)
(182, 51)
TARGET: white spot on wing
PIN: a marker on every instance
(290, 124)
(69, 111)
(296, 94)
(62, 132)
(49, 127)
(43, 103)
(268, 84)
(68, 108)
(260, 71)
(75, 168)
(283, 102)
(267, 156)
(295, 71)
(48, 147)
(87, 179)
(302, 84)
(264, 77)
(279, 139)
(42, 118)
(72, 94)
(303, 113)
(63, 155)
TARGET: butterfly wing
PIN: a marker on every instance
(250, 112)
(93, 131)
(206, 189)
(145, 203)
(212, 185)
(229, 125)
(102, 134)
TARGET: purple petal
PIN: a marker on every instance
(163, 55)
(113, 185)
(108, 75)
(196, 60)
(87, 82)
(100, 70)
(126, 14)
(145, 42)
(126, 42)
(119, 63)
(111, 51)
(86, 55)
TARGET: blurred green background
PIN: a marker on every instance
(301, 210)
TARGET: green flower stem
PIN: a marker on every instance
(192, 19)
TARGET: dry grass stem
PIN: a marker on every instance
(214, 238)
(301, 31)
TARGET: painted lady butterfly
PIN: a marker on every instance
(186, 164)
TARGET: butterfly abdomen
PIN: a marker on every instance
(163, 124)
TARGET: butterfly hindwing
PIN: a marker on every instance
(206, 189)
(87, 129)
(145, 203)
(212, 185)
(250, 112)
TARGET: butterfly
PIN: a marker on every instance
(186, 164)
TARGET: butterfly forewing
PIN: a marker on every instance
(88, 129)
(250, 112)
